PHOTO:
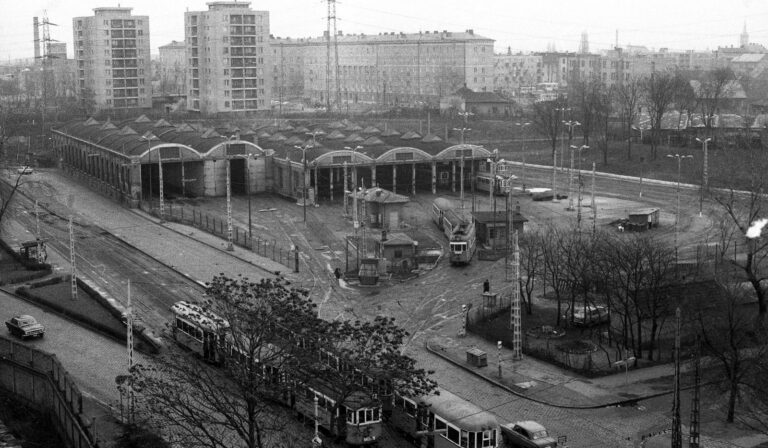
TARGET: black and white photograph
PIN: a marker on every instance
(366, 224)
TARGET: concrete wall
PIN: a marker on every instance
(37, 379)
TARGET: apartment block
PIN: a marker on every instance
(112, 57)
(228, 67)
(392, 68)
(172, 68)
(515, 73)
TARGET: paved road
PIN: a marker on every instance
(92, 359)
(425, 306)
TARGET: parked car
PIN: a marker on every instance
(595, 315)
(25, 170)
(526, 434)
(25, 326)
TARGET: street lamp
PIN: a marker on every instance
(522, 175)
(562, 111)
(677, 214)
(578, 202)
(705, 175)
(355, 222)
(148, 137)
(462, 131)
(303, 150)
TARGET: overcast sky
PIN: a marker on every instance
(529, 25)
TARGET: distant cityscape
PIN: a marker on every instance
(229, 61)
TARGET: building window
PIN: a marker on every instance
(226, 103)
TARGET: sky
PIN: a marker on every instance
(530, 25)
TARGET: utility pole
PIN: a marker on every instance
(677, 435)
(37, 234)
(517, 346)
(73, 276)
(705, 174)
(129, 343)
(578, 203)
(594, 206)
(230, 247)
(570, 124)
(677, 213)
(693, 433)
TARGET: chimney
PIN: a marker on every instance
(383, 236)
(36, 34)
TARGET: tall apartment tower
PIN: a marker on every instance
(227, 58)
(112, 56)
(584, 45)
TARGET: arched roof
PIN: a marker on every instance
(152, 155)
(391, 155)
(469, 151)
(219, 151)
(326, 159)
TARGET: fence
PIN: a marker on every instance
(38, 379)
(590, 353)
(216, 225)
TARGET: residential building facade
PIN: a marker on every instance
(172, 68)
(227, 58)
(112, 56)
(396, 68)
(516, 73)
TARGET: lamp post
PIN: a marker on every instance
(303, 150)
(578, 202)
(677, 213)
(562, 151)
(522, 127)
(355, 217)
(705, 174)
(148, 137)
(570, 124)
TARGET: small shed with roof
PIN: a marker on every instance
(381, 208)
(491, 227)
(398, 251)
(643, 219)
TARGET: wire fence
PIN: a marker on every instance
(217, 225)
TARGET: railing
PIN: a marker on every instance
(217, 225)
(38, 379)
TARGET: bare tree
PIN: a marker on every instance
(203, 406)
(658, 93)
(741, 212)
(711, 89)
(547, 121)
(531, 266)
(628, 97)
(724, 326)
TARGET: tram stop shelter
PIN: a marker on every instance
(491, 227)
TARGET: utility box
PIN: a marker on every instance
(477, 357)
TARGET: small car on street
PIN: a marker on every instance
(526, 434)
(25, 326)
(25, 170)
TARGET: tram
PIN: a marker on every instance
(207, 335)
(459, 422)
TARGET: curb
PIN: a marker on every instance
(618, 403)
